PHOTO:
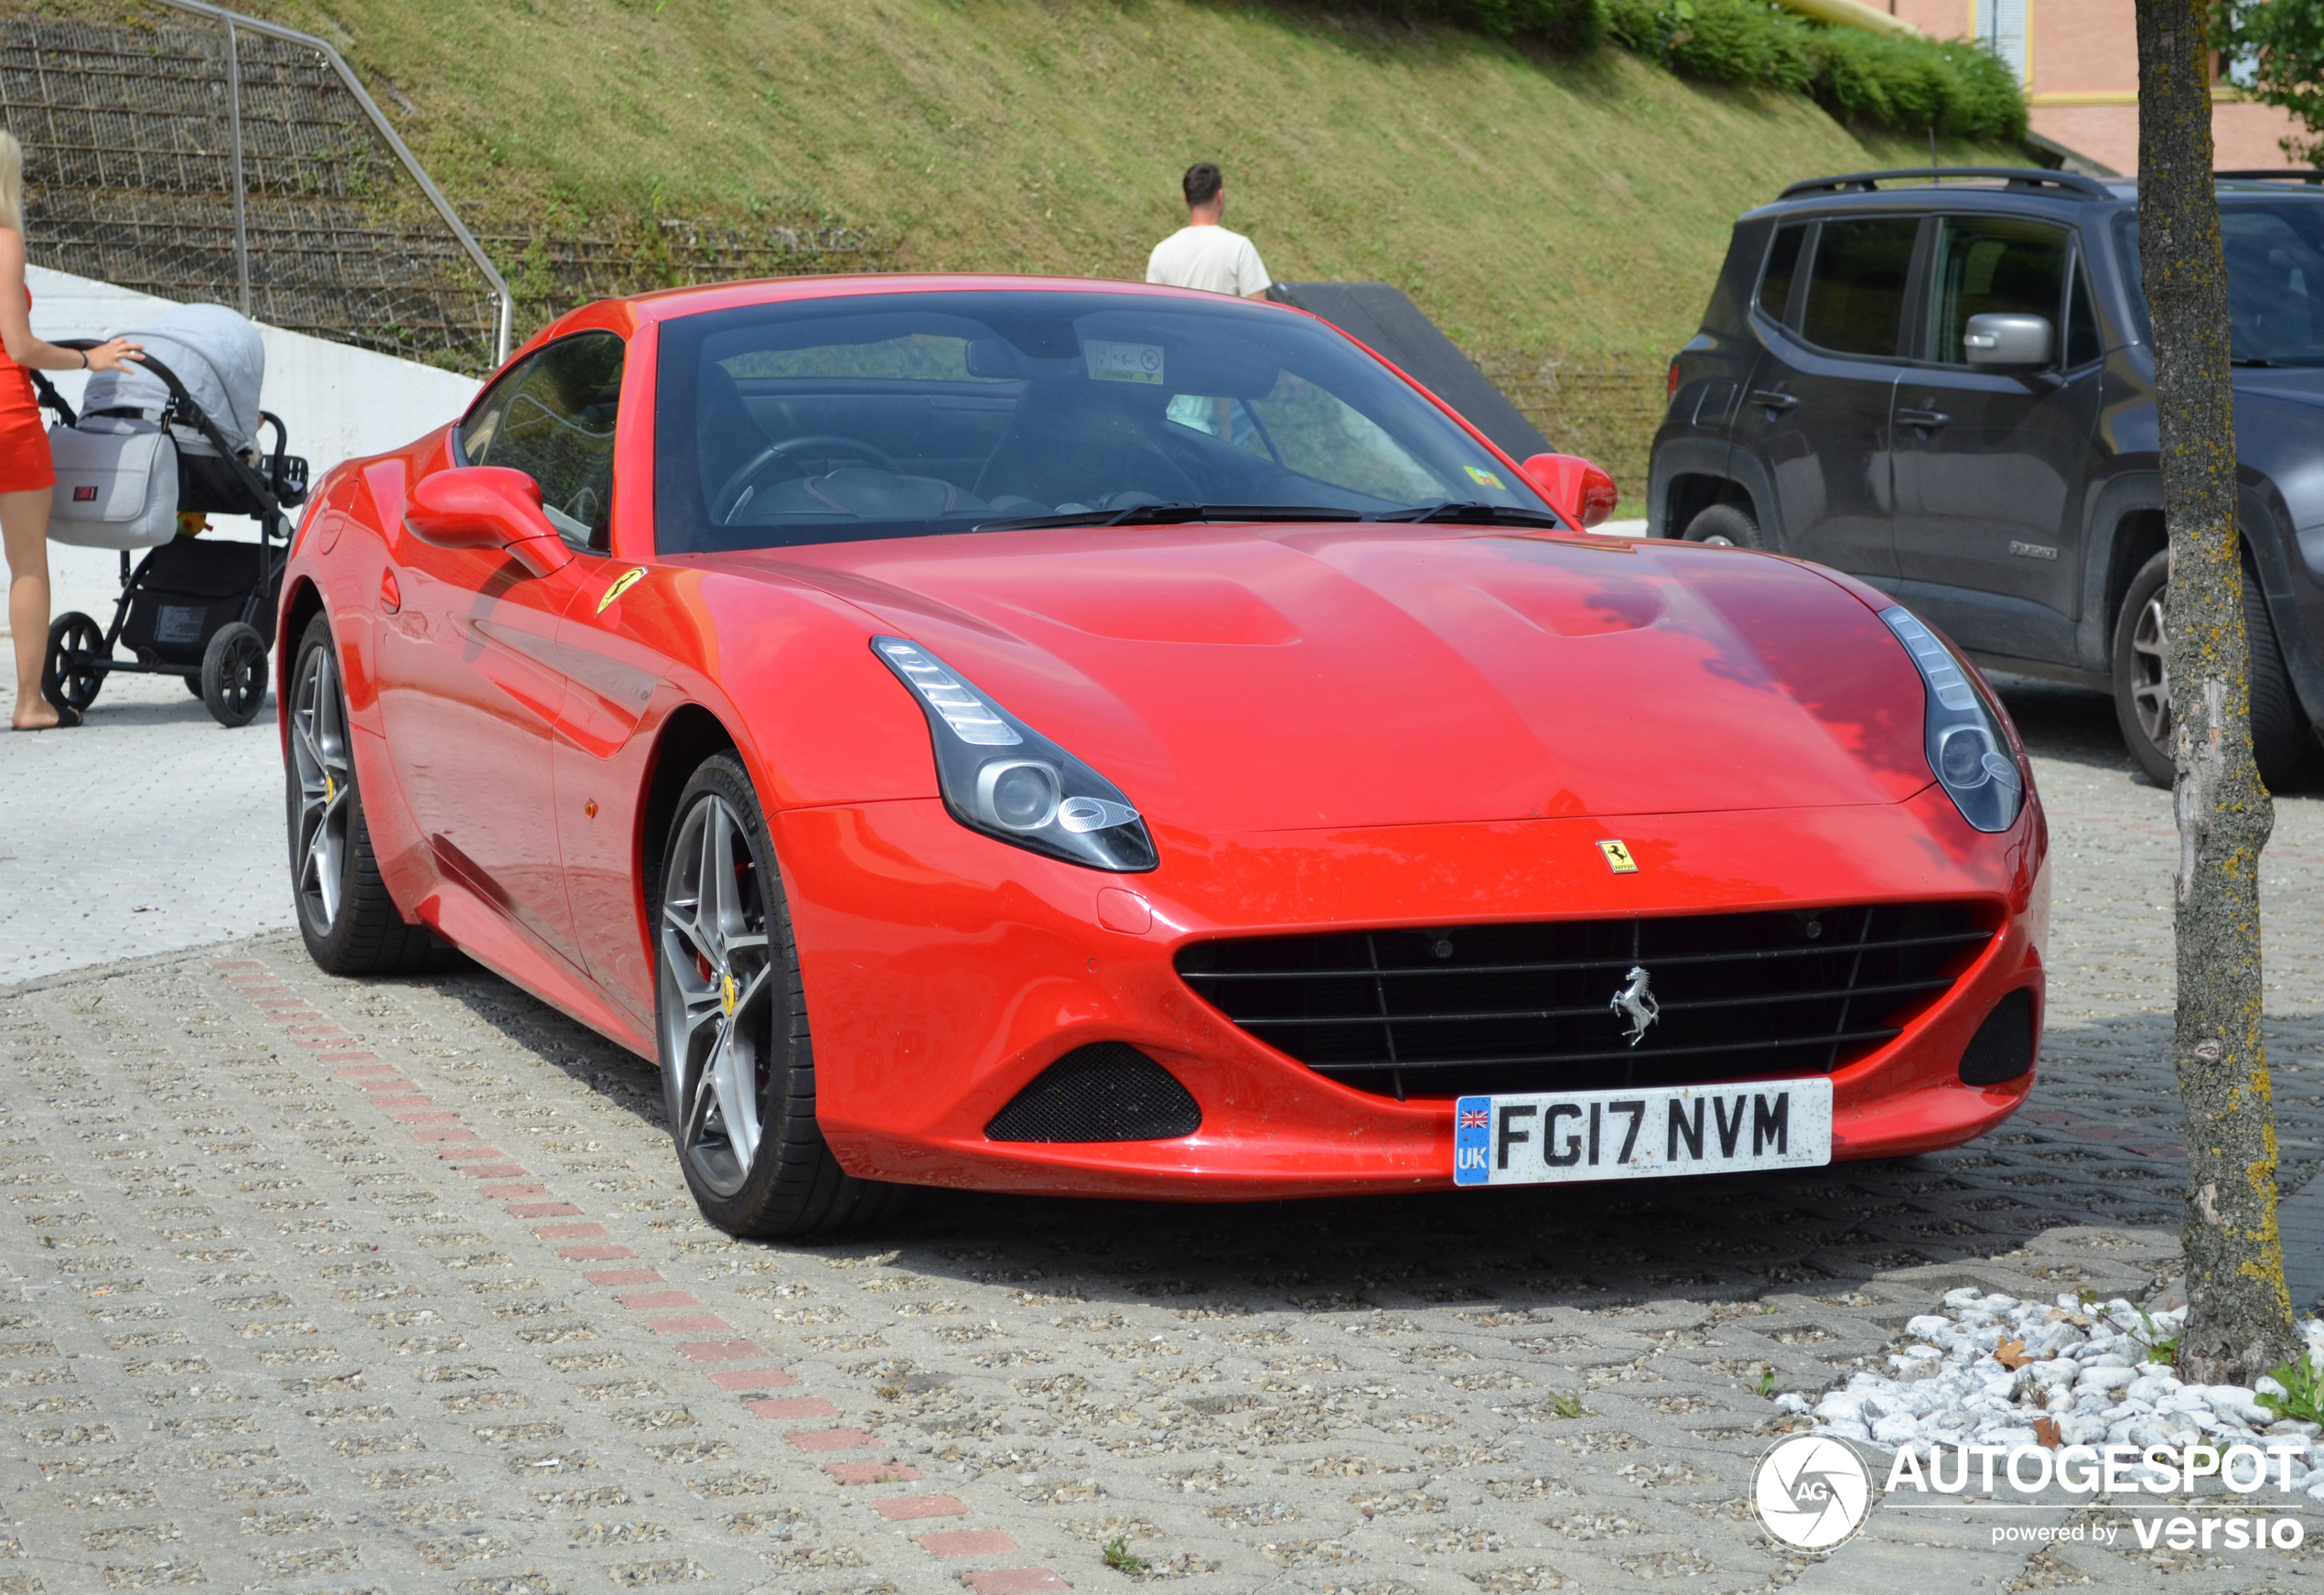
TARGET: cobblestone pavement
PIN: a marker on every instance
(150, 828)
(314, 1286)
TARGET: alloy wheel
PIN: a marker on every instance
(717, 1028)
(326, 788)
(2151, 684)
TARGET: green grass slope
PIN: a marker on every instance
(1548, 212)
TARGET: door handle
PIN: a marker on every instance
(1770, 399)
(1923, 420)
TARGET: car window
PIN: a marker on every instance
(2084, 343)
(1988, 265)
(553, 418)
(2274, 283)
(1783, 266)
(1856, 288)
(879, 416)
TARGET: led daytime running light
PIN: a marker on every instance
(1962, 736)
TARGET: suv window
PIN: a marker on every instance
(1989, 263)
(1783, 266)
(2083, 343)
(1856, 288)
(552, 418)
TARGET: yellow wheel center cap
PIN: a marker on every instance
(330, 787)
(728, 992)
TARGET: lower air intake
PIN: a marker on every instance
(1108, 1090)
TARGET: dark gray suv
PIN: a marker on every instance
(1947, 388)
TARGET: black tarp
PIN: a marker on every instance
(1383, 317)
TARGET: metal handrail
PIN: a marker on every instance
(231, 20)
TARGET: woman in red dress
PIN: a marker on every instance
(25, 474)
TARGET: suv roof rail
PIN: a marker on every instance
(2024, 179)
(2311, 175)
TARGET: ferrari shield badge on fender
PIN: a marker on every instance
(621, 584)
(1618, 857)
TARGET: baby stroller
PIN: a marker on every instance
(174, 435)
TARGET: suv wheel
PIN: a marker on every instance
(2282, 743)
(1726, 526)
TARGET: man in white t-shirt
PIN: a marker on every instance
(1203, 254)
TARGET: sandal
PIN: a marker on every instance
(67, 717)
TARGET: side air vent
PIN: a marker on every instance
(2003, 1048)
(1108, 1090)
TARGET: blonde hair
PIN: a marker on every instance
(11, 181)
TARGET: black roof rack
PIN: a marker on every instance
(2311, 175)
(2024, 180)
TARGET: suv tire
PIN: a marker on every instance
(2283, 745)
(1728, 525)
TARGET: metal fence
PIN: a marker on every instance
(215, 158)
(196, 153)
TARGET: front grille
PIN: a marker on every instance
(1482, 1009)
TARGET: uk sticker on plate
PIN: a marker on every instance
(1641, 1133)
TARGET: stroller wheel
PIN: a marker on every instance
(193, 684)
(67, 678)
(234, 675)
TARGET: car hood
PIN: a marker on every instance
(2300, 385)
(1235, 679)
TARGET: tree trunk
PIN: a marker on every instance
(2239, 1322)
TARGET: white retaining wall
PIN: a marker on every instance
(338, 403)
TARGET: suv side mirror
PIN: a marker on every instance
(488, 508)
(1577, 490)
(2008, 342)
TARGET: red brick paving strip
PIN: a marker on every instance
(531, 1199)
(1014, 1581)
(905, 1508)
(968, 1541)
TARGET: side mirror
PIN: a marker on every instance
(1998, 342)
(488, 508)
(1575, 488)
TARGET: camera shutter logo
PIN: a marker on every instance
(1811, 1491)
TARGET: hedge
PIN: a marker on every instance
(1885, 80)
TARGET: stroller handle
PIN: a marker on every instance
(168, 378)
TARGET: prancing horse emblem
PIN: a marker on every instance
(1636, 1002)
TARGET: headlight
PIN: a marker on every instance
(1003, 778)
(1966, 749)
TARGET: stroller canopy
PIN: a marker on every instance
(213, 351)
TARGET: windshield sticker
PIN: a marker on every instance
(1123, 362)
(1483, 478)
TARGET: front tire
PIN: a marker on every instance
(2283, 745)
(1726, 526)
(234, 675)
(730, 1016)
(348, 921)
(67, 678)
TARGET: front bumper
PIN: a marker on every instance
(944, 970)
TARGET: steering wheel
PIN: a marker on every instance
(730, 495)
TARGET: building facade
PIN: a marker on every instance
(2078, 61)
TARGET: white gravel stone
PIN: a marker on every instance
(2091, 1370)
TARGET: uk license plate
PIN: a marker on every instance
(1641, 1133)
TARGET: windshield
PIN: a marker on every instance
(913, 415)
(2275, 281)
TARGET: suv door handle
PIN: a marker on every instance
(1769, 399)
(1923, 420)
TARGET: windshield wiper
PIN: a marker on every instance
(1170, 515)
(1474, 514)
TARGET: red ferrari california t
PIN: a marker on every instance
(1067, 736)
